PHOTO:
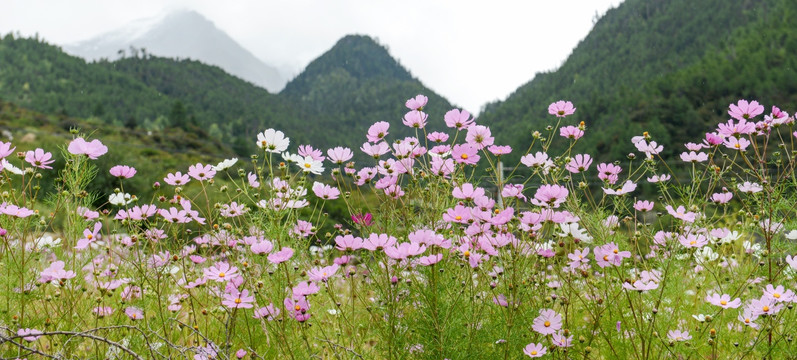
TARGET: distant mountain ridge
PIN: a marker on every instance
(182, 34)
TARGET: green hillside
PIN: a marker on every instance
(659, 66)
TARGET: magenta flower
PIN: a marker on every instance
(458, 119)
(339, 155)
(571, 132)
(548, 322)
(235, 299)
(363, 219)
(579, 163)
(416, 103)
(724, 301)
(241, 353)
(177, 179)
(745, 110)
(201, 172)
(89, 236)
(550, 196)
(93, 149)
(415, 119)
(123, 171)
(731, 128)
(534, 350)
(134, 313)
(39, 158)
(561, 108)
(465, 154)
(348, 243)
(221, 272)
(322, 274)
(29, 335)
(281, 256)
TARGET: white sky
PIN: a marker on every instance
(470, 52)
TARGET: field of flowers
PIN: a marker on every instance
(444, 257)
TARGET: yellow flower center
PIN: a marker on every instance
(547, 324)
(746, 320)
(497, 211)
(616, 251)
(237, 300)
(533, 352)
(467, 253)
(221, 274)
(297, 307)
(692, 242)
(464, 156)
(776, 295)
(723, 302)
(605, 257)
(307, 165)
(90, 237)
(325, 274)
(765, 308)
(458, 217)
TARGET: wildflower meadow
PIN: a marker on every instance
(447, 250)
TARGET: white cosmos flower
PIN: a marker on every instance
(13, 169)
(705, 254)
(700, 317)
(731, 237)
(47, 241)
(120, 199)
(226, 164)
(310, 165)
(791, 235)
(572, 229)
(273, 141)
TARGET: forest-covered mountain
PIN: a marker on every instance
(332, 103)
(670, 67)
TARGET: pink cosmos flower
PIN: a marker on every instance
(694, 157)
(375, 150)
(459, 214)
(561, 108)
(281, 256)
(579, 163)
(325, 191)
(695, 147)
(102, 311)
(241, 353)
(262, 247)
(610, 254)
(56, 272)
(724, 301)
(713, 139)
(322, 274)
(6, 149)
(513, 191)
(467, 192)
(749, 187)
(134, 313)
(609, 172)
(348, 243)
(307, 150)
(297, 308)
(745, 110)
(174, 215)
(743, 127)
(458, 119)
(377, 131)
(499, 150)
(437, 137)
(578, 258)
(643, 205)
(465, 154)
(430, 260)
(404, 250)
(123, 171)
(641, 286)
(232, 209)
(29, 335)
(479, 136)
(535, 350)
(748, 317)
(692, 241)
(377, 242)
(14, 210)
(659, 178)
(429, 238)
(548, 322)
(442, 167)
(779, 294)
(550, 196)
(560, 340)
(269, 312)
(678, 335)
(238, 299)
(722, 198)
(303, 229)
(177, 179)
(649, 149)
(339, 155)
(415, 119)
(740, 144)
(39, 158)
(93, 149)
(89, 236)
(221, 272)
(305, 288)
(416, 103)
(681, 213)
(201, 172)
(571, 132)
(767, 305)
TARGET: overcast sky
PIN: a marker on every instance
(471, 52)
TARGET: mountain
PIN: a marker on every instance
(356, 83)
(182, 34)
(633, 71)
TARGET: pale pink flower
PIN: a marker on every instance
(627, 187)
(535, 350)
(339, 155)
(579, 163)
(281, 256)
(571, 132)
(681, 213)
(740, 144)
(177, 179)
(221, 272)
(123, 171)
(377, 132)
(201, 172)
(235, 299)
(745, 110)
(465, 154)
(548, 322)
(415, 119)
(643, 205)
(561, 108)
(694, 157)
(29, 335)
(678, 335)
(93, 149)
(479, 136)
(134, 313)
(724, 301)
(416, 103)
(458, 119)
(39, 158)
